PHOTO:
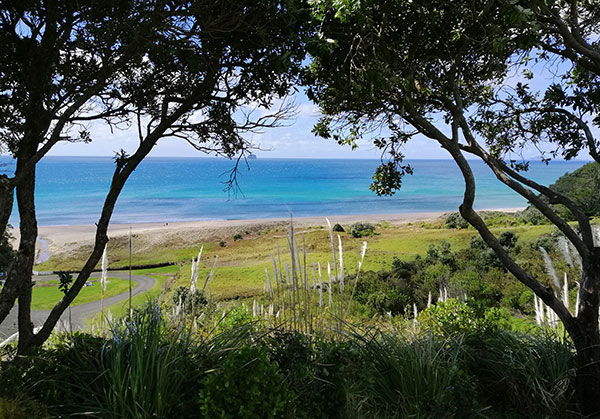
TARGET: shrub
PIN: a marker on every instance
(234, 319)
(338, 228)
(453, 318)
(247, 384)
(455, 220)
(376, 291)
(188, 300)
(441, 253)
(222, 243)
(315, 370)
(237, 237)
(362, 230)
(531, 215)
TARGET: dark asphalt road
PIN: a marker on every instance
(78, 312)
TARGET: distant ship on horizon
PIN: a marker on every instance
(252, 157)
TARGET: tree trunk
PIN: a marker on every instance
(23, 266)
(586, 337)
(587, 377)
(6, 201)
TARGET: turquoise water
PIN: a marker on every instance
(71, 190)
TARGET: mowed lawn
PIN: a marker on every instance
(45, 297)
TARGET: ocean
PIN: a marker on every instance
(71, 190)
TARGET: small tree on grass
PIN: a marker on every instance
(462, 74)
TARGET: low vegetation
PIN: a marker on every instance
(400, 325)
(153, 365)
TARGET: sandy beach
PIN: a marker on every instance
(59, 239)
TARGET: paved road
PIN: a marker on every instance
(78, 312)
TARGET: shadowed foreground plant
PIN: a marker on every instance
(21, 408)
(143, 366)
(532, 373)
(423, 378)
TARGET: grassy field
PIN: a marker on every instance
(45, 297)
(239, 270)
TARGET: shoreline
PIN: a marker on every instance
(63, 238)
(66, 238)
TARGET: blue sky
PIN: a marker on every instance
(292, 141)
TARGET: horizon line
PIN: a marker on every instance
(297, 158)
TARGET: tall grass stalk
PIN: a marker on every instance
(550, 267)
(565, 292)
(103, 276)
(211, 274)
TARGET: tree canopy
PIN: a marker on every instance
(193, 71)
(473, 77)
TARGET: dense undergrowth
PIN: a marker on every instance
(152, 366)
(445, 334)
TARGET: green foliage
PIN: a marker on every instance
(518, 373)
(441, 253)
(468, 365)
(455, 220)
(362, 230)
(247, 384)
(421, 379)
(577, 187)
(222, 244)
(189, 301)
(65, 279)
(531, 215)
(235, 318)
(380, 293)
(7, 253)
(143, 368)
(454, 317)
(315, 370)
(237, 237)
(22, 408)
(338, 228)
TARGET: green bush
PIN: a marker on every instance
(455, 220)
(362, 230)
(237, 237)
(453, 318)
(315, 370)
(531, 215)
(188, 300)
(380, 294)
(247, 384)
(22, 408)
(338, 228)
(143, 367)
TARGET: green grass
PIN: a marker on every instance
(44, 298)
(240, 268)
(171, 269)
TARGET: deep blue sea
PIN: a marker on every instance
(71, 190)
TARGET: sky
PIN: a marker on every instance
(294, 140)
